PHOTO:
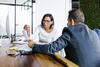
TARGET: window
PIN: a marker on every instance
(12, 20)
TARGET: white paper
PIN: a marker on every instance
(24, 47)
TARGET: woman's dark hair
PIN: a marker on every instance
(51, 18)
(77, 15)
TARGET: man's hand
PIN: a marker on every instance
(30, 43)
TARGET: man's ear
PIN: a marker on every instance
(72, 22)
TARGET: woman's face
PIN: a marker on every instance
(27, 27)
(47, 22)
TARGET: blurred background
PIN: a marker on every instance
(14, 14)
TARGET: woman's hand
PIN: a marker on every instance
(30, 43)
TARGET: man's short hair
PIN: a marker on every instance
(77, 15)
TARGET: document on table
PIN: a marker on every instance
(20, 45)
(24, 47)
(20, 42)
(14, 48)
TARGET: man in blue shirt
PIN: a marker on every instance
(84, 40)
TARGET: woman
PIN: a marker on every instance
(26, 32)
(45, 33)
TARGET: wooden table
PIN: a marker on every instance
(35, 60)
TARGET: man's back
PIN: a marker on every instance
(86, 44)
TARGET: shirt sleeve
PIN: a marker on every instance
(53, 47)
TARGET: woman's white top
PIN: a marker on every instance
(25, 35)
(42, 36)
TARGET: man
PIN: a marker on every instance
(84, 40)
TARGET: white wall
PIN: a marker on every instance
(23, 16)
(7, 19)
(58, 8)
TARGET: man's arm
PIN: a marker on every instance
(53, 47)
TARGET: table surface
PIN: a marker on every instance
(35, 60)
